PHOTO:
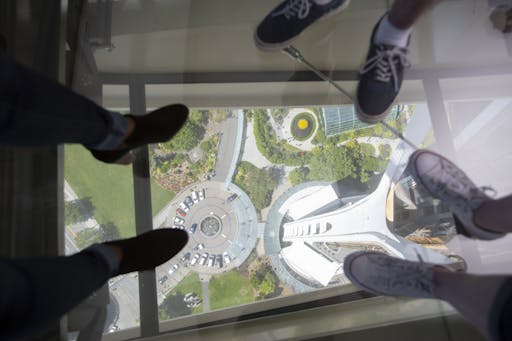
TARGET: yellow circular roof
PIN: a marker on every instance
(303, 123)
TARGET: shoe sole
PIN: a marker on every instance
(269, 47)
(372, 119)
(468, 230)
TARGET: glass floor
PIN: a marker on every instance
(273, 176)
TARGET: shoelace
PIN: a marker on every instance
(385, 62)
(295, 8)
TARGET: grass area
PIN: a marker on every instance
(110, 188)
(230, 289)
(190, 283)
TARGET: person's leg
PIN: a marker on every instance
(35, 111)
(495, 215)
(381, 75)
(455, 288)
(381, 274)
(36, 291)
(444, 180)
(290, 18)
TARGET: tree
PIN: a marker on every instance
(385, 151)
(263, 278)
(78, 210)
(72, 212)
(174, 306)
(331, 163)
(258, 183)
(109, 231)
(200, 117)
(298, 175)
(187, 138)
(267, 285)
(87, 236)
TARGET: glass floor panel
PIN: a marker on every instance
(272, 176)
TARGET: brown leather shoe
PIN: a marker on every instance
(158, 126)
(150, 249)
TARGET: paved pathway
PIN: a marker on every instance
(206, 293)
(287, 135)
(250, 150)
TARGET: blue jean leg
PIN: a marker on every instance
(36, 291)
(36, 111)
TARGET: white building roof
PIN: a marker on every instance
(309, 263)
(312, 202)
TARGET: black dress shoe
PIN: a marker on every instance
(158, 126)
(150, 249)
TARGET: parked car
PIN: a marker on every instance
(227, 258)
(184, 207)
(218, 261)
(193, 228)
(201, 194)
(179, 221)
(211, 260)
(199, 246)
(204, 258)
(173, 269)
(189, 202)
(162, 279)
(176, 226)
(195, 259)
(181, 212)
(232, 197)
(195, 197)
(185, 257)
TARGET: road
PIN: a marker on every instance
(226, 147)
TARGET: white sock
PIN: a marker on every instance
(322, 2)
(390, 35)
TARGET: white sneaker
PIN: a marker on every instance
(381, 274)
(445, 181)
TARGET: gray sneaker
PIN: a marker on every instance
(381, 274)
(445, 181)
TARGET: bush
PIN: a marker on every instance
(258, 183)
(298, 175)
(278, 152)
(187, 138)
(279, 115)
(385, 151)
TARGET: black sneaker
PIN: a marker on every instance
(287, 21)
(380, 80)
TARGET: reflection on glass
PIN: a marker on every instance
(275, 198)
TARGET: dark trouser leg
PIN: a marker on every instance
(404, 13)
(35, 111)
(34, 292)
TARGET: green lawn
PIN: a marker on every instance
(230, 289)
(188, 284)
(110, 188)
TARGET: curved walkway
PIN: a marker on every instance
(285, 131)
(272, 244)
(247, 235)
